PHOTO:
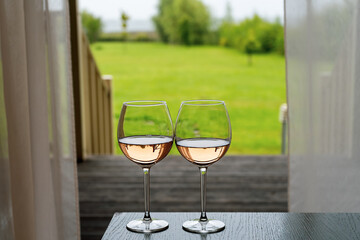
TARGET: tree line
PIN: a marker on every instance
(188, 22)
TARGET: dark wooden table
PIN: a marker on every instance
(339, 226)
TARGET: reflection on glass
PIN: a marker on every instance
(145, 136)
(203, 136)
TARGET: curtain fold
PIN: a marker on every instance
(37, 152)
(6, 219)
(323, 82)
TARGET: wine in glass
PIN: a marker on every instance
(145, 136)
(203, 136)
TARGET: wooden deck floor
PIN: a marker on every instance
(109, 184)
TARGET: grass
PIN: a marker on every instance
(154, 71)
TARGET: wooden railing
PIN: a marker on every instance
(92, 95)
(96, 105)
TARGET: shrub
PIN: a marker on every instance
(112, 37)
(92, 26)
(270, 35)
(142, 37)
(265, 36)
(131, 36)
(280, 45)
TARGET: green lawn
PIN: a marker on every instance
(154, 71)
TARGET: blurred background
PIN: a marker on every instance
(191, 49)
(175, 50)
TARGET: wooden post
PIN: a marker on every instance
(106, 117)
(99, 113)
(93, 107)
(75, 64)
(109, 113)
(86, 104)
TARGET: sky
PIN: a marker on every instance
(141, 11)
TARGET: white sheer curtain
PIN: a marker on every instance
(323, 77)
(38, 180)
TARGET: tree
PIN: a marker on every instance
(269, 34)
(92, 26)
(124, 19)
(279, 43)
(251, 46)
(158, 20)
(182, 21)
(254, 35)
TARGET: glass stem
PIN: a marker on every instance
(147, 193)
(203, 171)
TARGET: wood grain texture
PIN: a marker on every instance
(95, 103)
(327, 226)
(235, 184)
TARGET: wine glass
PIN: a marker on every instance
(202, 136)
(145, 136)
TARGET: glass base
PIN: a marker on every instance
(151, 226)
(203, 227)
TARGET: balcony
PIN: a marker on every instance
(109, 184)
